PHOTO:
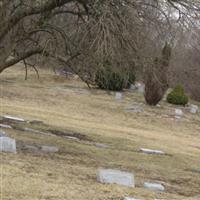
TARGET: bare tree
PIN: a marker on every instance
(98, 28)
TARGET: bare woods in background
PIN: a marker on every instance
(81, 35)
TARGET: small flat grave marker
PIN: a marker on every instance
(7, 144)
(151, 151)
(5, 126)
(8, 117)
(118, 96)
(130, 198)
(154, 186)
(49, 149)
(115, 177)
(193, 109)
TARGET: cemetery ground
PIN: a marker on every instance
(93, 116)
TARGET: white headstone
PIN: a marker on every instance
(136, 108)
(8, 117)
(140, 87)
(118, 96)
(130, 198)
(193, 109)
(5, 126)
(37, 131)
(99, 145)
(7, 144)
(71, 137)
(49, 149)
(178, 113)
(151, 151)
(115, 177)
(154, 186)
(133, 87)
(2, 134)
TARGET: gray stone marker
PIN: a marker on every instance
(99, 145)
(115, 177)
(193, 108)
(31, 147)
(133, 87)
(140, 87)
(130, 198)
(151, 151)
(136, 108)
(7, 144)
(49, 149)
(118, 96)
(5, 126)
(71, 138)
(8, 117)
(2, 134)
(37, 132)
(178, 113)
(154, 186)
(37, 122)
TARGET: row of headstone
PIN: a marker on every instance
(192, 109)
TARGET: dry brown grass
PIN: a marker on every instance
(70, 174)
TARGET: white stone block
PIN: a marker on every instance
(151, 151)
(2, 134)
(99, 145)
(118, 96)
(130, 198)
(7, 144)
(8, 117)
(5, 126)
(49, 149)
(193, 109)
(115, 177)
(178, 113)
(154, 186)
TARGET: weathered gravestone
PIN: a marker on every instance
(130, 198)
(11, 118)
(2, 134)
(151, 151)
(193, 108)
(115, 177)
(118, 96)
(136, 108)
(100, 145)
(7, 144)
(178, 113)
(49, 149)
(140, 87)
(154, 186)
(5, 126)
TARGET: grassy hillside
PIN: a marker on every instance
(68, 106)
